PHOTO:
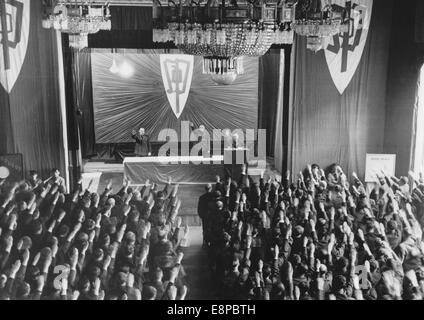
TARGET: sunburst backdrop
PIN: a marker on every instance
(138, 99)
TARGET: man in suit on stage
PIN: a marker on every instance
(142, 143)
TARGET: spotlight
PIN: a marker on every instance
(126, 70)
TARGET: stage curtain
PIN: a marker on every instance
(131, 18)
(30, 118)
(131, 29)
(274, 84)
(83, 95)
(269, 76)
(279, 117)
(406, 60)
(331, 128)
(6, 136)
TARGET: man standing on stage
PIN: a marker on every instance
(34, 181)
(57, 180)
(142, 143)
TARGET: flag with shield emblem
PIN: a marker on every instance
(344, 51)
(14, 33)
(177, 74)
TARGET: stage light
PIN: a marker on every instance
(126, 70)
(114, 68)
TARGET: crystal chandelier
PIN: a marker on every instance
(78, 21)
(320, 19)
(223, 32)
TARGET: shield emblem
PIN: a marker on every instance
(14, 34)
(177, 74)
(344, 51)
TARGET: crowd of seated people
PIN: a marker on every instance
(83, 245)
(319, 236)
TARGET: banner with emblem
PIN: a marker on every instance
(344, 51)
(30, 116)
(164, 91)
(177, 74)
(342, 128)
(14, 33)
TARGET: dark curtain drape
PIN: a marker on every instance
(79, 107)
(131, 18)
(269, 75)
(406, 60)
(130, 39)
(71, 111)
(30, 119)
(269, 86)
(332, 128)
(6, 140)
(131, 29)
(84, 101)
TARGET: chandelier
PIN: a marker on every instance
(320, 19)
(78, 21)
(223, 32)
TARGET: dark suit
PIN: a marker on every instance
(142, 145)
(203, 212)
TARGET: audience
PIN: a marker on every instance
(318, 237)
(88, 246)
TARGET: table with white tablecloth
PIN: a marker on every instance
(182, 170)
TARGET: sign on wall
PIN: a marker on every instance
(344, 51)
(14, 31)
(376, 164)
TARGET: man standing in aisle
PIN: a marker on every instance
(203, 212)
(142, 143)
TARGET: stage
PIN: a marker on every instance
(183, 170)
(101, 173)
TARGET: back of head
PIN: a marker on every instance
(23, 290)
(339, 283)
(149, 293)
